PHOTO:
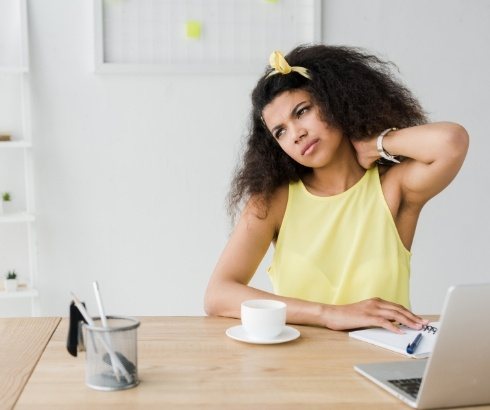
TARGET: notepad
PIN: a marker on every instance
(398, 342)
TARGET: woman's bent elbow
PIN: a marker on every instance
(459, 139)
(210, 305)
(455, 142)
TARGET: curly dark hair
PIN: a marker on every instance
(356, 92)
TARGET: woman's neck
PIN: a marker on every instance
(338, 175)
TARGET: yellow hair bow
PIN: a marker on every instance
(281, 66)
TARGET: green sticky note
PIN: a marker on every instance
(193, 29)
(272, 1)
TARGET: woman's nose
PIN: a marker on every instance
(299, 134)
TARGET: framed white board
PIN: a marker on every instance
(199, 36)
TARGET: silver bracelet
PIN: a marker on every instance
(379, 145)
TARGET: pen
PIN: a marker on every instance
(411, 347)
(98, 299)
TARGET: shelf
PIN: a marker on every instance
(22, 292)
(17, 217)
(15, 144)
(15, 121)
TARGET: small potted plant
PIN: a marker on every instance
(11, 281)
(6, 197)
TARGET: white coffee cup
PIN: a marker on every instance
(263, 319)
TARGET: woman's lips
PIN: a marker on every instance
(309, 147)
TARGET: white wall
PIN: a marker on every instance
(131, 170)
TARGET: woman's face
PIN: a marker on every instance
(295, 122)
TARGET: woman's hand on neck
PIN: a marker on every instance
(366, 152)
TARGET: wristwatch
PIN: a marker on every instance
(379, 146)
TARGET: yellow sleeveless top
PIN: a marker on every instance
(340, 249)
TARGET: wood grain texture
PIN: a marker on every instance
(188, 362)
(22, 342)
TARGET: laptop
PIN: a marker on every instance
(458, 371)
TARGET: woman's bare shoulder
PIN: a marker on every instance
(270, 211)
(279, 202)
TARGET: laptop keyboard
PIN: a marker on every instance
(410, 386)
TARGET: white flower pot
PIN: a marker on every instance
(10, 285)
(5, 207)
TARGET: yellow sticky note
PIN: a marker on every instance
(272, 1)
(193, 29)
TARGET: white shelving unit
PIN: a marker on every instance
(17, 225)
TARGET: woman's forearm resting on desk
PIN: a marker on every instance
(224, 299)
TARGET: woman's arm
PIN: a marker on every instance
(434, 152)
(248, 244)
(228, 286)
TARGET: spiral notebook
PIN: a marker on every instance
(399, 342)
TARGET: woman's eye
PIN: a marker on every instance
(302, 111)
(279, 132)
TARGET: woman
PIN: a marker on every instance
(340, 161)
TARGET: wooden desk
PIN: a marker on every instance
(22, 341)
(188, 362)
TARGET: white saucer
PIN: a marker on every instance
(238, 333)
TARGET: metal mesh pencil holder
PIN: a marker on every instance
(111, 353)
